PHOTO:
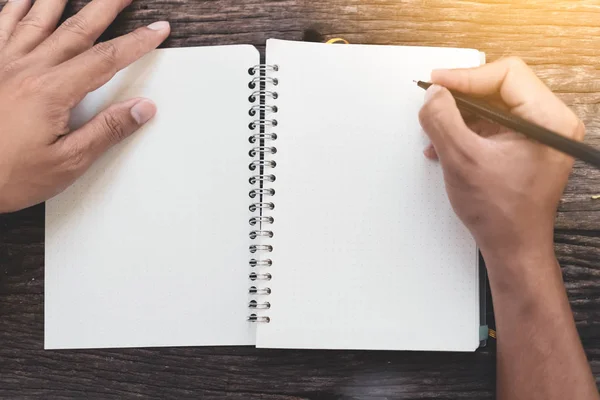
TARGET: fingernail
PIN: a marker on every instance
(143, 111)
(159, 26)
(433, 89)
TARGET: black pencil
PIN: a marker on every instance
(529, 129)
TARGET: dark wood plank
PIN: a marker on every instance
(560, 39)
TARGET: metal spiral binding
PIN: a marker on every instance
(262, 165)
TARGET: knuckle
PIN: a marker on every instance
(11, 66)
(108, 51)
(33, 83)
(579, 131)
(139, 35)
(76, 24)
(34, 22)
(516, 62)
(74, 157)
(114, 128)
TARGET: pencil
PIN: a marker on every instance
(529, 129)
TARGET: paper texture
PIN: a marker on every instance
(368, 253)
(150, 247)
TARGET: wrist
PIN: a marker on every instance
(519, 257)
(512, 245)
(521, 270)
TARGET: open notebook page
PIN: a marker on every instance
(368, 253)
(150, 247)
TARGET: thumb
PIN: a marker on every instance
(105, 130)
(442, 122)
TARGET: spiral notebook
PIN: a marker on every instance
(283, 205)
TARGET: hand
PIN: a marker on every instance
(44, 74)
(504, 187)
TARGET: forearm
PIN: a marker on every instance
(539, 352)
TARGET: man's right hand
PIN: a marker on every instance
(504, 187)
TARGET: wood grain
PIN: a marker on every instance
(560, 39)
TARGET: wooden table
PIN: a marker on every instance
(560, 39)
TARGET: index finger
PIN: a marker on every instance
(79, 32)
(95, 67)
(519, 88)
(509, 77)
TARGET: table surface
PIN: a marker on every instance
(559, 39)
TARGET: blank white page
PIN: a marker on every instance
(150, 247)
(368, 253)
